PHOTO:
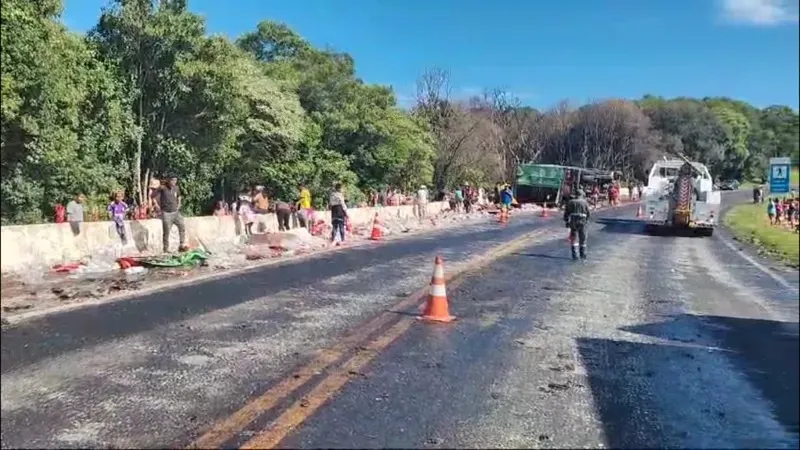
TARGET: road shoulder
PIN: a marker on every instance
(747, 223)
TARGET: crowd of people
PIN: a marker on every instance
(251, 203)
(600, 193)
(781, 211)
(164, 203)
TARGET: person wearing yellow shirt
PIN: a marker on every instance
(304, 212)
(305, 197)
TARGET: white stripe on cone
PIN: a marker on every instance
(438, 290)
(438, 272)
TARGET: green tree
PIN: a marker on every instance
(63, 115)
(148, 91)
(737, 131)
(381, 144)
(784, 123)
(702, 135)
(178, 88)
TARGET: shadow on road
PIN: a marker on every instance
(648, 395)
(621, 377)
(621, 226)
(543, 255)
(766, 351)
(639, 227)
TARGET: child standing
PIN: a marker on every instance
(116, 211)
(459, 195)
(791, 212)
(246, 214)
(771, 211)
(506, 197)
(778, 211)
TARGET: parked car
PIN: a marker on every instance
(729, 185)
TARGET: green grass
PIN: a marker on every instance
(749, 223)
(794, 178)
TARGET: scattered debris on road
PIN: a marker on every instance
(111, 272)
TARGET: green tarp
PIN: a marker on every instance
(540, 175)
(185, 259)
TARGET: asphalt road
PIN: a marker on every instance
(652, 342)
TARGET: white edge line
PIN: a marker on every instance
(758, 265)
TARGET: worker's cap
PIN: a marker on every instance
(259, 188)
(422, 187)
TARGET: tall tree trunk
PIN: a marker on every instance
(137, 158)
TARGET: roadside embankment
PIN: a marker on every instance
(26, 247)
(749, 223)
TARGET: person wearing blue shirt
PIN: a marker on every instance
(506, 197)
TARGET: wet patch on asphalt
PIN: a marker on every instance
(434, 380)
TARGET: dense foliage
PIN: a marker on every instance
(149, 91)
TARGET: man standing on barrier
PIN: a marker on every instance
(576, 217)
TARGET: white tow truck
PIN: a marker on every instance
(680, 195)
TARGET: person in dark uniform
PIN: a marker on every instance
(284, 212)
(576, 217)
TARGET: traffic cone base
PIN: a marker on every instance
(437, 309)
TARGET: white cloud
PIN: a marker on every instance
(760, 12)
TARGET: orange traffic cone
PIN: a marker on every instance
(376, 231)
(544, 210)
(437, 309)
(639, 212)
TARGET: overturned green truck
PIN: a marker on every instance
(552, 184)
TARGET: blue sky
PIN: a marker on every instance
(541, 51)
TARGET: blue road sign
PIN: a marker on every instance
(779, 173)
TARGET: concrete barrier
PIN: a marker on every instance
(30, 247)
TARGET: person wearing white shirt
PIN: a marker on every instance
(422, 202)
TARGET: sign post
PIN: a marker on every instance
(779, 173)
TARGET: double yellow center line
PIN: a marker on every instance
(335, 379)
